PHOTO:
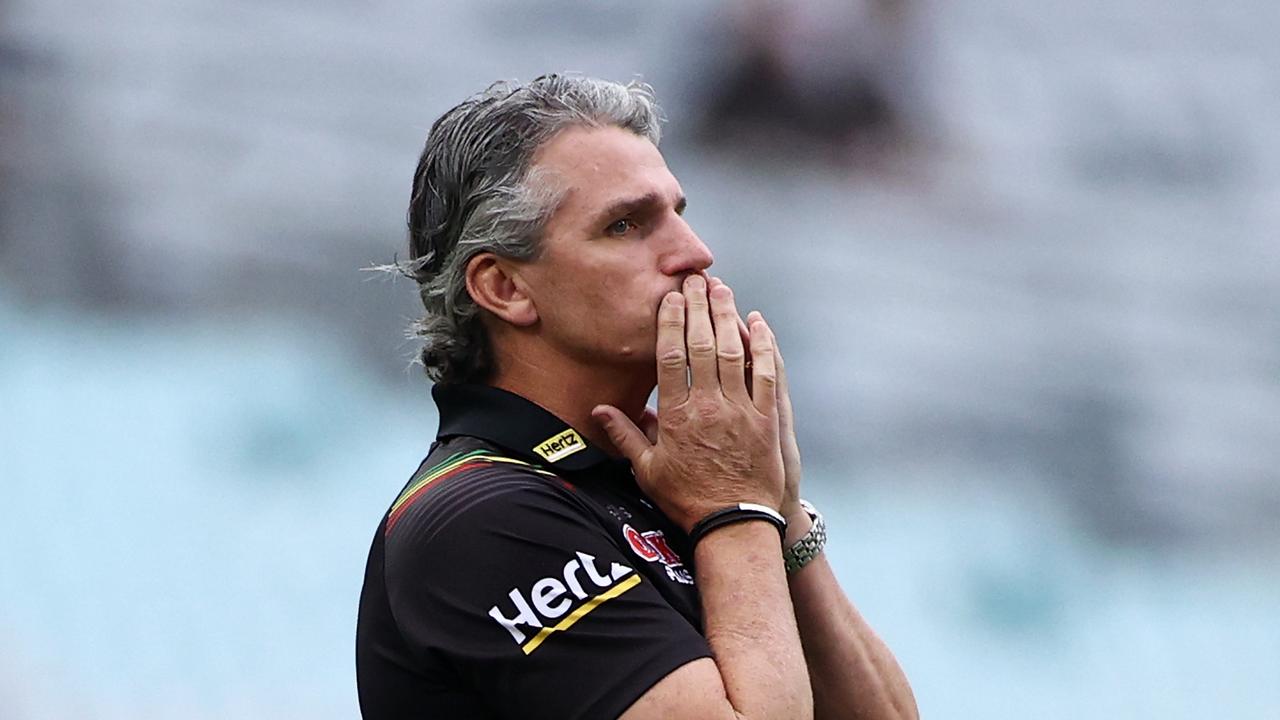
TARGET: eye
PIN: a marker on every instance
(620, 227)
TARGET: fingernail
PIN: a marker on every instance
(695, 282)
(674, 299)
(721, 292)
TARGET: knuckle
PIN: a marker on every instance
(672, 358)
(673, 422)
(763, 345)
(706, 408)
(701, 347)
(730, 355)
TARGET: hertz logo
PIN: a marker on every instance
(561, 446)
(553, 598)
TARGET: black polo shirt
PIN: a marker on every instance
(520, 573)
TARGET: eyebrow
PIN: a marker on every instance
(634, 205)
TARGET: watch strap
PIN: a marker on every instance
(811, 545)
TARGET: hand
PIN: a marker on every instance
(717, 445)
(798, 521)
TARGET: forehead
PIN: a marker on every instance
(600, 166)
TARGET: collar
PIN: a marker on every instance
(516, 424)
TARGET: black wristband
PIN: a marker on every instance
(734, 514)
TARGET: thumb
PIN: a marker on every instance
(624, 434)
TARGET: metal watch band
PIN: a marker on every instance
(810, 546)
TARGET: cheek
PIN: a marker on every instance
(582, 305)
(606, 301)
(621, 312)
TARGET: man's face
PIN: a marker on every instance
(612, 249)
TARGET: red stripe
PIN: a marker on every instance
(391, 521)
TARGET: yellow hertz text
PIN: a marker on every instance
(560, 446)
(552, 597)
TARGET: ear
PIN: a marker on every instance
(494, 287)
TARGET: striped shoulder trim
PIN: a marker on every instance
(455, 464)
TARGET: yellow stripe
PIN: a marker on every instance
(473, 456)
(513, 461)
(578, 614)
(476, 455)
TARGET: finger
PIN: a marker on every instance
(786, 419)
(624, 434)
(743, 333)
(730, 356)
(764, 377)
(673, 366)
(784, 390)
(649, 424)
(700, 338)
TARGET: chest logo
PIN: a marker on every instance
(560, 446)
(652, 546)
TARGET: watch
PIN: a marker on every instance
(810, 546)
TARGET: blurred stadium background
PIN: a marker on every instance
(1024, 259)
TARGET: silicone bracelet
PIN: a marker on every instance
(735, 514)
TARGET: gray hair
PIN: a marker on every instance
(474, 191)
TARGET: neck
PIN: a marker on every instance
(570, 390)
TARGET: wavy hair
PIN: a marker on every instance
(475, 191)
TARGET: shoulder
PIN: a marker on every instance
(473, 487)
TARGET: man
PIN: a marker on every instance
(549, 559)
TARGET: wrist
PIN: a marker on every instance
(757, 540)
(791, 506)
(808, 546)
(735, 514)
(799, 522)
(688, 516)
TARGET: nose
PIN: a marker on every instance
(684, 252)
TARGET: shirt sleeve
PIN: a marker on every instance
(514, 584)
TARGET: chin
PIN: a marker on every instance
(635, 354)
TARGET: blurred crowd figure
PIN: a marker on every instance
(835, 78)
